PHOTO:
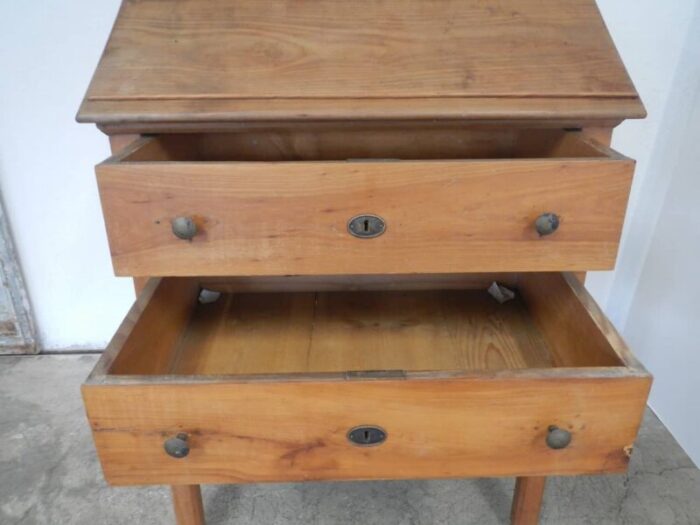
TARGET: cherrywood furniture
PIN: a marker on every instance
(313, 198)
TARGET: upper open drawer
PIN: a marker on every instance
(321, 203)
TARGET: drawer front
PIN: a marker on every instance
(283, 218)
(273, 431)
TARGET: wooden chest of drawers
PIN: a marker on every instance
(314, 198)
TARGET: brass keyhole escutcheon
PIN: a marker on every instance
(366, 226)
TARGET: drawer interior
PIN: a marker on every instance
(359, 143)
(455, 327)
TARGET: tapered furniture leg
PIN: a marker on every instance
(187, 500)
(527, 500)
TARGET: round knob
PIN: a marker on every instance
(184, 227)
(177, 446)
(547, 223)
(558, 437)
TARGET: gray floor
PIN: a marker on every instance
(49, 475)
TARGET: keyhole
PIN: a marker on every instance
(366, 227)
(366, 436)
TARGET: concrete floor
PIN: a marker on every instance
(49, 474)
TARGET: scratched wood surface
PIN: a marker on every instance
(292, 58)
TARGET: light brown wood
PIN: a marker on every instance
(409, 124)
(527, 500)
(121, 141)
(365, 141)
(563, 319)
(140, 284)
(314, 142)
(153, 325)
(255, 431)
(602, 134)
(244, 333)
(317, 332)
(284, 426)
(326, 54)
(574, 325)
(117, 143)
(187, 502)
(188, 115)
(282, 218)
(357, 331)
(292, 50)
(327, 283)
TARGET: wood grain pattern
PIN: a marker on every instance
(335, 141)
(284, 431)
(168, 116)
(153, 325)
(329, 51)
(117, 143)
(577, 330)
(527, 500)
(267, 385)
(187, 501)
(348, 283)
(448, 319)
(121, 141)
(282, 218)
(278, 427)
(244, 334)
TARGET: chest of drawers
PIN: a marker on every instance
(313, 199)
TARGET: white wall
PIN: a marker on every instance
(663, 316)
(649, 36)
(48, 50)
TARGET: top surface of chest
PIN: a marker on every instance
(180, 60)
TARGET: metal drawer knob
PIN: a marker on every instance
(177, 446)
(558, 437)
(547, 223)
(184, 228)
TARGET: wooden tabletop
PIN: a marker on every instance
(181, 60)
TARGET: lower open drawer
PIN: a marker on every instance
(270, 386)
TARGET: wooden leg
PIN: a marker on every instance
(187, 500)
(527, 500)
